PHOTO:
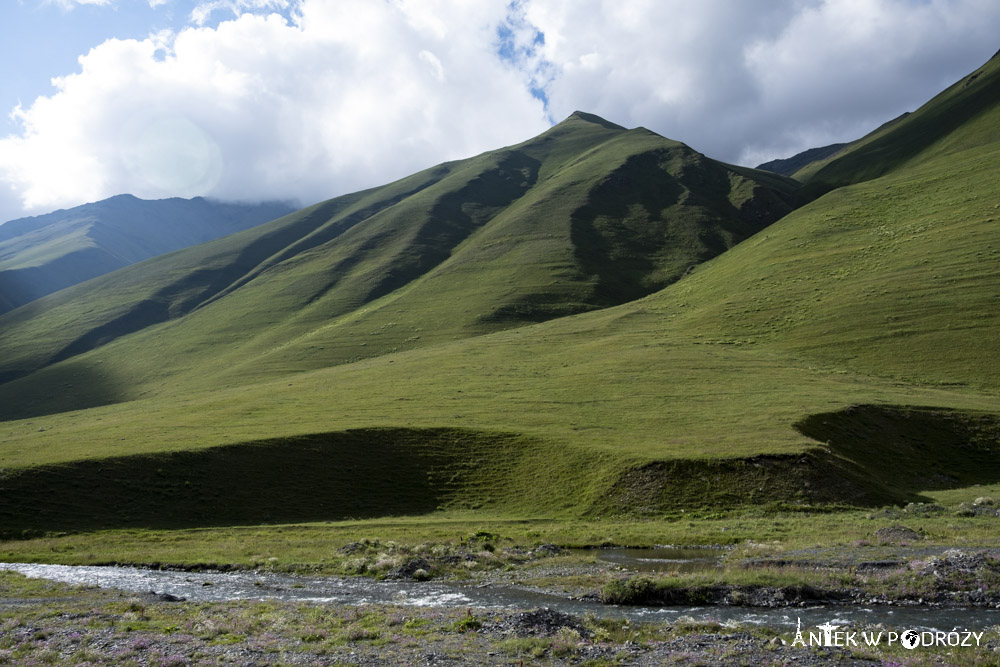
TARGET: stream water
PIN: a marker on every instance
(661, 559)
(216, 586)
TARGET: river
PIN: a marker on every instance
(241, 585)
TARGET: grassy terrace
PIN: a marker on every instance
(770, 530)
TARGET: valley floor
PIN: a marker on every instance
(932, 555)
(98, 627)
(45, 623)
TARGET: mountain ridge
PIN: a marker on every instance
(586, 215)
(43, 254)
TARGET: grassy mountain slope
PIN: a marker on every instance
(963, 116)
(788, 166)
(584, 216)
(897, 277)
(46, 253)
(845, 353)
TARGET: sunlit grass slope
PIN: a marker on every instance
(585, 216)
(897, 277)
(963, 116)
(846, 353)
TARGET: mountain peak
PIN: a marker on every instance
(592, 118)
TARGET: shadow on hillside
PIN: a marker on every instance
(875, 456)
(73, 386)
(351, 474)
(898, 452)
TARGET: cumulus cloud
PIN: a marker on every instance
(204, 10)
(329, 97)
(351, 94)
(746, 82)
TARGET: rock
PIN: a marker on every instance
(546, 622)
(409, 569)
(977, 508)
(897, 533)
(546, 550)
(353, 548)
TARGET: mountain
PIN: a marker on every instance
(585, 216)
(43, 254)
(339, 363)
(961, 117)
(788, 166)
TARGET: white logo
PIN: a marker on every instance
(832, 635)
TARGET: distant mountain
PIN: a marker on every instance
(788, 166)
(42, 254)
(584, 216)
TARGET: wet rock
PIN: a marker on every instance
(409, 569)
(544, 622)
(167, 597)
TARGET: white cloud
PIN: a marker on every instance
(352, 95)
(747, 81)
(204, 10)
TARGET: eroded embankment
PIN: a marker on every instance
(872, 456)
(898, 452)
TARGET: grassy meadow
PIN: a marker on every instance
(494, 345)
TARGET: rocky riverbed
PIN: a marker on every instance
(47, 623)
(438, 622)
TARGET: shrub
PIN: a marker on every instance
(634, 590)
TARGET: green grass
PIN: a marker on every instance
(857, 330)
(548, 228)
(47, 253)
(961, 117)
(756, 531)
(391, 472)
(896, 277)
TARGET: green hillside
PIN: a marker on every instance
(46, 253)
(789, 166)
(963, 116)
(844, 354)
(585, 216)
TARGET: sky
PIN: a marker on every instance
(304, 100)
